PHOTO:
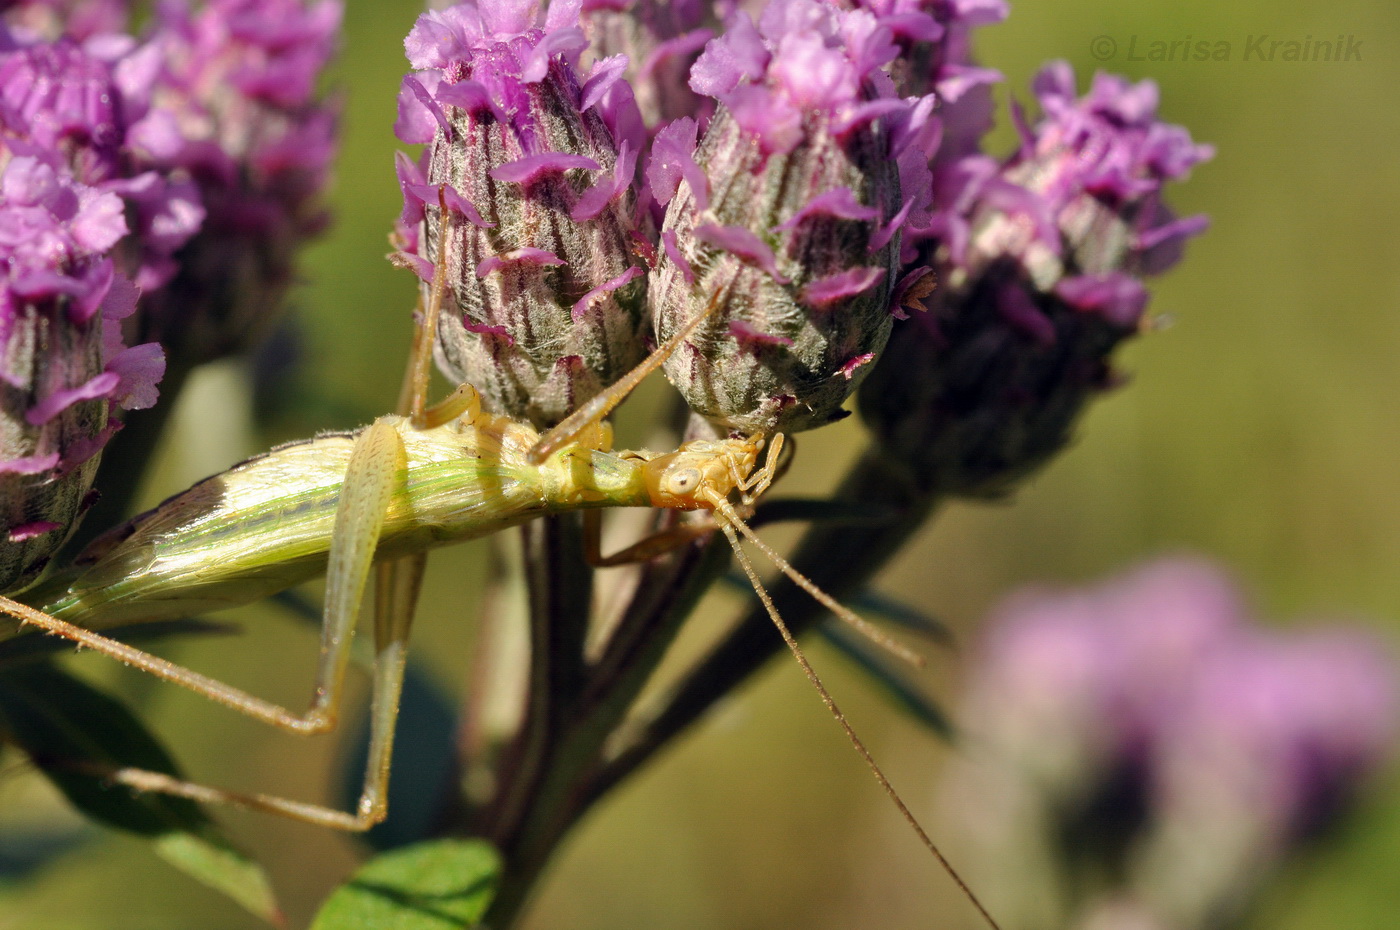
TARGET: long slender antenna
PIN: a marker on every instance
(844, 613)
(830, 703)
(564, 432)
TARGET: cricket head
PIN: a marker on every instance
(699, 472)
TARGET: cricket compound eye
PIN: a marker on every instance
(683, 482)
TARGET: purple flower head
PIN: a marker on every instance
(653, 43)
(936, 39)
(1284, 726)
(1038, 263)
(535, 163)
(63, 366)
(1233, 743)
(67, 101)
(786, 211)
(80, 20)
(90, 105)
(235, 111)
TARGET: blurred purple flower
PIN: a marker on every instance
(535, 162)
(1236, 742)
(188, 162)
(80, 20)
(235, 109)
(653, 43)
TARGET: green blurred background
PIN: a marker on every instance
(1259, 428)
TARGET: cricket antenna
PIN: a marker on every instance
(842, 612)
(728, 524)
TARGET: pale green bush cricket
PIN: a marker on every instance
(407, 483)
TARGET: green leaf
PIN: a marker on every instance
(902, 614)
(439, 885)
(75, 733)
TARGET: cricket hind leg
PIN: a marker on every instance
(369, 485)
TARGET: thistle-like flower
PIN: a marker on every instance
(79, 20)
(234, 108)
(654, 42)
(542, 230)
(935, 40)
(1147, 733)
(1033, 269)
(787, 214)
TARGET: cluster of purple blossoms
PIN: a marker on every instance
(807, 172)
(235, 87)
(182, 166)
(1145, 730)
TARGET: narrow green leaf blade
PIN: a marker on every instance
(438, 885)
(74, 732)
(870, 604)
(208, 857)
(820, 510)
(905, 695)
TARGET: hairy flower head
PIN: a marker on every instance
(541, 217)
(787, 213)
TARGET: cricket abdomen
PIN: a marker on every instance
(266, 524)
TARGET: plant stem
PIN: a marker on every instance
(560, 590)
(562, 791)
(840, 559)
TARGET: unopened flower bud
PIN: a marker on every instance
(1029, 275)
(786, 214)
(541, 230)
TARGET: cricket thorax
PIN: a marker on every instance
(699, 472)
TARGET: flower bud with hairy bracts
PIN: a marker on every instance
(542, 233)
(1030, 271)
(787, 213)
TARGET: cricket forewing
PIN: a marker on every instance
(266, 524)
